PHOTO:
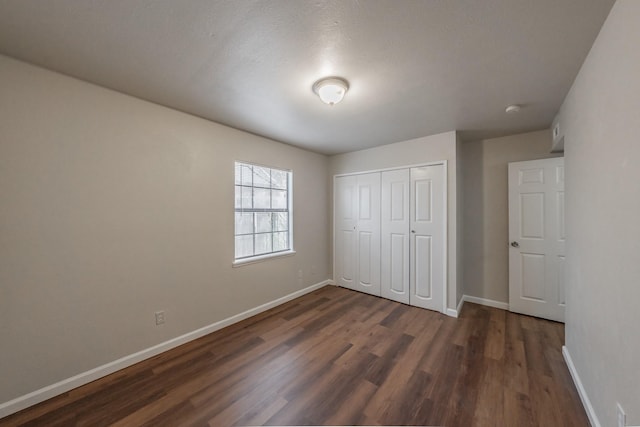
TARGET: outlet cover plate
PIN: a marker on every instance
(159, 317)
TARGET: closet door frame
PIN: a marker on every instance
(445, 225)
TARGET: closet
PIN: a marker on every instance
(390, 235)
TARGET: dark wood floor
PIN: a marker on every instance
(340, 357)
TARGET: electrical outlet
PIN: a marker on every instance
(300, 274)
(622, 417)
(159, 317)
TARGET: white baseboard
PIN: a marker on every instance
(460, 304)
(455, 313)
(591, 413)
(30, 399)
(488, 302)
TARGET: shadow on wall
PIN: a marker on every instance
(473, 217)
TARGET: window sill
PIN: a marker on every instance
(261, 258)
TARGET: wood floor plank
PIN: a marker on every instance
(517, 410)
(378, 372)
(435, 355)
(423, 322)
(471, 372)
(390, 400)
(256, 398)
(489, 407)
(258, 415)
(545, 399)
(338, 357)
(515, 367)
(377, 340)
(351, 408)
(534, 350)
(44, 408)
(494, 347)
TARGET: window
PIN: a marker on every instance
(262, 211)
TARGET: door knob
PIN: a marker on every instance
(515, 244)
(413, 231)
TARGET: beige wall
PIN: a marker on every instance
(601, 121)
(412, 152)
(486, 211)
(113, 208)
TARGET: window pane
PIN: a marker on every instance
(247, 175)
(238, 197)
(263, 243)
(261, 176)
(279, 199)
(247, 198)
(244, 246)
(279, 179)
(244, 223)
(280, 221)
(263, 222)
(261, 198)
(280, 241)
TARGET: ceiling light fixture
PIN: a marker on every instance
(511, 109)
(331, 90)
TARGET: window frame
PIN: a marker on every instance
(289, 210)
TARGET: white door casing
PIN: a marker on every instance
(427, 241)
(395, 235)
(537, 238)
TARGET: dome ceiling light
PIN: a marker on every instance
(331, 90)
(512, 109)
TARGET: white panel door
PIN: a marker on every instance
(346, 211)
(537, 238)
(395, 235)
(427, 242)
(368, 233)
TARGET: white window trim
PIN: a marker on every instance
(260, 258)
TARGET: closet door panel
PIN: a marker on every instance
(347, 245)
(364, 258)
(423, 268)
(368, 233)
(395, 235)
(427, 280)
(345, 231)
(398, 265)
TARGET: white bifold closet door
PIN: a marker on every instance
(390, 234)
(345, 230)
(395, 235)
(357, 240)
(412, 241)
(427, 277)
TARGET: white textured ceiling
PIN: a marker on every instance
(415, 68)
